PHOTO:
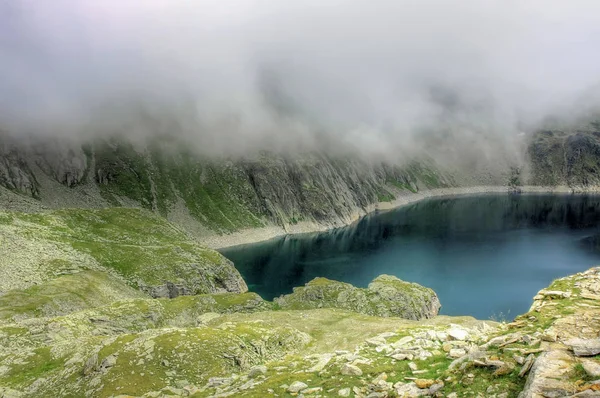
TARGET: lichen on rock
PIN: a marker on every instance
(385, 296)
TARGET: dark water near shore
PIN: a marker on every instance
(484, 255)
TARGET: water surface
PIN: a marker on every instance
(484, 255)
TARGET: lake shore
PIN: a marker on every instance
(254, 235)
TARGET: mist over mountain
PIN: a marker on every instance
(380, 78)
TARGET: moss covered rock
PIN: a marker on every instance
(386, 296)
(141, 248)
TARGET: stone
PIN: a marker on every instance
(584, 347)
(458, 334)
(312, 390)
(424, 383)
(383, 376)
(409, 390)
(91, 364)
(527, 365)
(351, 370)
(205, 318)
(452, 395)
(591, 367)
(403, 341)
(375, 341)
(296, 387)
(344, 392)
(413, 366)
(435, 388)
(554, 294)
(503, 370)
(257, 371)
(108, 362)
(322, 361)
(457, 353)
(386, 296)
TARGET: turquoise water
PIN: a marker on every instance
(485, 255)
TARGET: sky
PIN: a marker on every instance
(380, 76)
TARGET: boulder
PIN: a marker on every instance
(386, 296)
(296, 387)
(351, 370)
(584, 347)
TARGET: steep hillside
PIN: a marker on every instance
(566, 156)
(236, 344)
(219, 195)
(47, 256)
(204, 195)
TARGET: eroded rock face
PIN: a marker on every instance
(14, 171)
(198, 279)
(571, 336)
(386, 296)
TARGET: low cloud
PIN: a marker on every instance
(378, 77)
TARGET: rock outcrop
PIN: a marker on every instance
(386, 296)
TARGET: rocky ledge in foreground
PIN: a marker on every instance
(385, 296)
(238, 345)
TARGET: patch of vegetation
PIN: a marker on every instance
(63, 295)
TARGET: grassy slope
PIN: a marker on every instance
(68, 252)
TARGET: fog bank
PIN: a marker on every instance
(380, 77)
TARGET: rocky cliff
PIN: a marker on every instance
(385, 296)
(216, 195)
(206, 195)
(78, 322)
(566, 156)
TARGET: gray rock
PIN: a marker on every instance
(527, 365)
(584, 347)
(257, 371)
(91, 365)
(296, 387)
(108, 362)
(458, 334)
(351, 370)
(385, 296)
(591, 367)
(457, 353)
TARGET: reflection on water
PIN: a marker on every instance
(485, 255)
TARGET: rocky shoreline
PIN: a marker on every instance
(255, 235)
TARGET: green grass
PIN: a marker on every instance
(33, 367)
(139, 245)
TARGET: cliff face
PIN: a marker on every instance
(209, 195)
(219, 195)
(386, 296)
(568, 157)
